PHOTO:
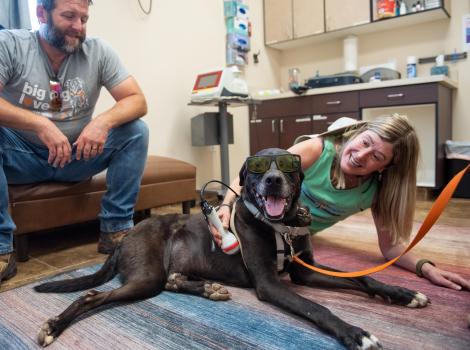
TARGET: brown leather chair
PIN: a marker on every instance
(38, 207)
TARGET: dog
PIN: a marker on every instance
(175, 252)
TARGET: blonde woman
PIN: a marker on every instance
(367, 165)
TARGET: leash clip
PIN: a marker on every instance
(288, 239)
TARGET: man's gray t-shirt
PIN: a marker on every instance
(26, 72)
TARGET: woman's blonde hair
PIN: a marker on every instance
(396, 197)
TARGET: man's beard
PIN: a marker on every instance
(56, 37)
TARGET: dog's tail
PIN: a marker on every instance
(103, 275)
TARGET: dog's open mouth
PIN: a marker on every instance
(274, 207)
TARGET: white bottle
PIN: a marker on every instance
(411, 67)
(402, 8)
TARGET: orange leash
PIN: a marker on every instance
(436, 210)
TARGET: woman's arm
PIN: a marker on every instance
(408, 261)
(225, 210)
(309, 151)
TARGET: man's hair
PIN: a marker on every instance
(50, 4)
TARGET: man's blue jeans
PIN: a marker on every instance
(124, 157)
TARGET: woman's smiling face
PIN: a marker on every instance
(365, 154)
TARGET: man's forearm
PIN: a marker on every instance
(19, 118)
(125, 110)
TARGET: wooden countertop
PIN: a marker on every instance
(441, 79)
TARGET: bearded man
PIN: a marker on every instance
(50, 81)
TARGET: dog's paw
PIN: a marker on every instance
(419, 300)
(402, 296)
(370, 343)
(356, 338)
(173, 280)
(216, 291)
(46, 334)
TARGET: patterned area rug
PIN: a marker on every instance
(168, 321)
(178, 321)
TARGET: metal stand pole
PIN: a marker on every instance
(223, 134)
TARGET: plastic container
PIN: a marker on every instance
(385, 8)
(411, 67)
(238, 42)
(235, 9)
(237, 25)
(403, 9)
(294, 77)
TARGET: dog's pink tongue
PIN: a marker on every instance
(275, 206)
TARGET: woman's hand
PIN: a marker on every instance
(445, 278)
(223, 213)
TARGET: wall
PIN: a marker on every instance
(165, 51)
(181, 38)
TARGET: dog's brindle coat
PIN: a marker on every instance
(174, 252)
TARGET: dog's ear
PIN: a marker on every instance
(301, 174)
(242, 174)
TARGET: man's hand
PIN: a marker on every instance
(60, 151)
(91, 141)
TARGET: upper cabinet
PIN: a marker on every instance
(286, 20)
(296, 23)
(307, 17)
(341, 14)
(277, 21)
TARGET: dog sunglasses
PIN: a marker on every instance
(287, 163)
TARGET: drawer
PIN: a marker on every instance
(285, 107)
(400, 95)
(336, 103)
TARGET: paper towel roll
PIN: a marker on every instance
(350, 53)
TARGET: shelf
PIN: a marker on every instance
(407, 20)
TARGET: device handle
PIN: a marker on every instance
(215, 220)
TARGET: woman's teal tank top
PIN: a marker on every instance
(327, 204)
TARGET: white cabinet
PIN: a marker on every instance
(307, 17)
(291, 24)
(286, 20)
(277, 21)
(341, 14)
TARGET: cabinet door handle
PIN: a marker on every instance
(256, 121)
(392, 96)
(273, 126)
(282, 126)
(255, 112)
(319, 117)
(331, 103)
(302, 120)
